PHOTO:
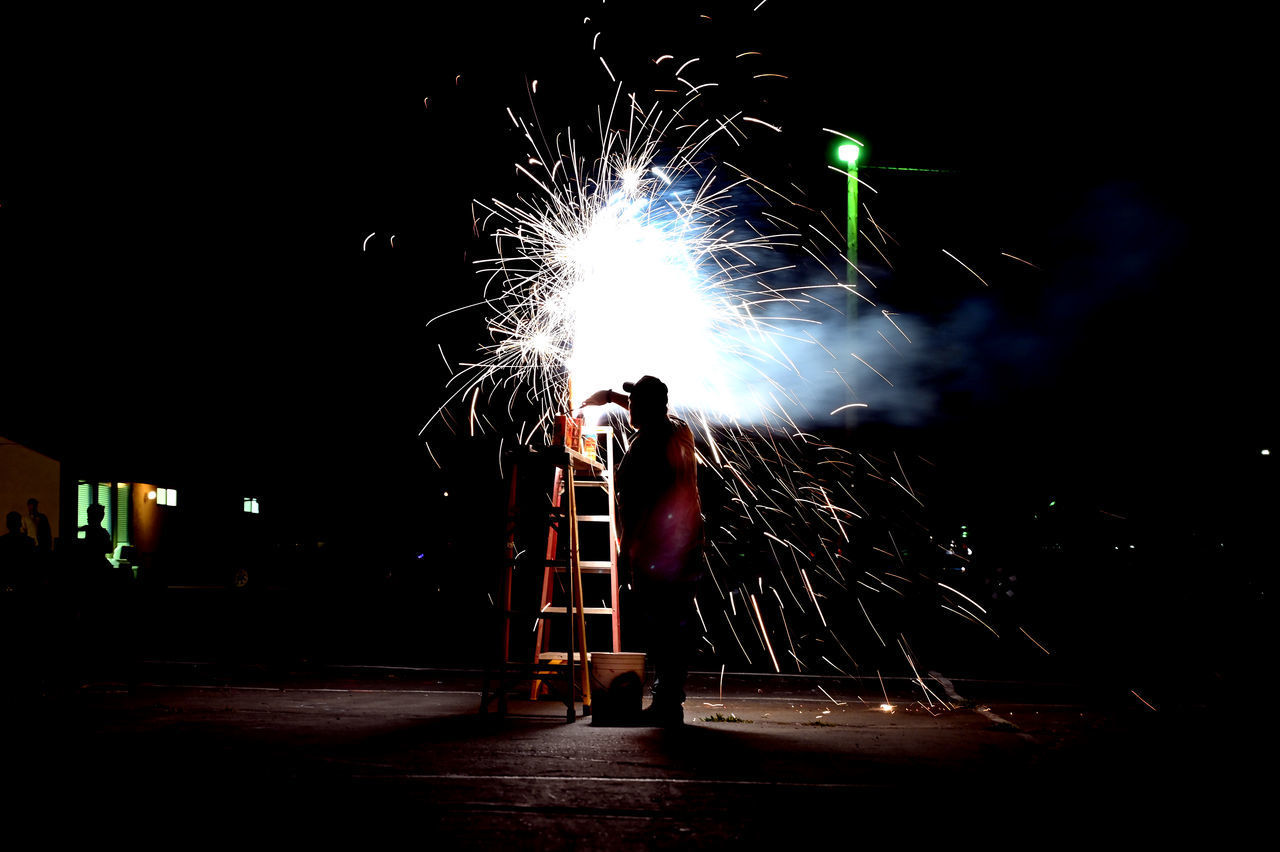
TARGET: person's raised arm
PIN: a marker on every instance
(604, 397)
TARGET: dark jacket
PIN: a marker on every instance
(659, 509)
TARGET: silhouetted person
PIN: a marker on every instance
(36, 525)
(93, 592)
(17, 551)
(94, 568)
(17, 558)
(661, 549)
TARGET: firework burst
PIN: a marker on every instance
(635, 259)
(640, 253)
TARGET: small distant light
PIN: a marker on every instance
(445, 493)
(420, 555)
(888, 708)
(151, 495)
(1266, 452)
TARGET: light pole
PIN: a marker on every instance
(848, 153)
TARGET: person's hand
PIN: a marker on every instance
(602, 397)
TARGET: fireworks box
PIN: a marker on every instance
(567, 432)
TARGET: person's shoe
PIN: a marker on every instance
(664, 715)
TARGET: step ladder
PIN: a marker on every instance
(569, 481)
(562, 598)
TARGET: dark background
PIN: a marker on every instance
(186, 198)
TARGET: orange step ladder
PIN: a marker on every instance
(574, 472)
(569, 481)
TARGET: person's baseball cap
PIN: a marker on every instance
(647, 387)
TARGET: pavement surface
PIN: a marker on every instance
(201, 751)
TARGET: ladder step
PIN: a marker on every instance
(561, 656)
(596, 518)
(593, 567)
(586, 610)
(581, 462)
(590, 483)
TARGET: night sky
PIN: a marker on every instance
(185, 202)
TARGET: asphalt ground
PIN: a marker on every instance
(184, 749)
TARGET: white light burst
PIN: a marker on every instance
(637, 262)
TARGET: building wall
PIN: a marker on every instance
(146, 518)
(24, 474)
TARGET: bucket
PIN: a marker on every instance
(605, 666)
(617, 687)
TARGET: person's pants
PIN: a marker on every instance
(667, 620)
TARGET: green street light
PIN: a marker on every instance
(848, 153)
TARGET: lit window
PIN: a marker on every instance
(84, 496)
(114, 500)
(251, 505)
(167, 496)
(123, 492)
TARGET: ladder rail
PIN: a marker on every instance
(613, 540)
(578, 621)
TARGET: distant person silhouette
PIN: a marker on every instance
(17, 663)
(36, 525)
(17, 551)
(99, 599)
(660, 554)
(95, 546)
